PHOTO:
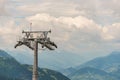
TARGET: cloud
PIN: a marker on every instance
(64, 24)
(8, 31)
(112, 32)
(55, 8)
(77, 25)
(77, 32)
(103, 12)
(2, 7)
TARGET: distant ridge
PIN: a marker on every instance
(103, 63)
(4, 54)
(101, 68)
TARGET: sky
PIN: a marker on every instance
(84, 27)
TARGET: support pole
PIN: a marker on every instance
(35, 66)
(43, 40)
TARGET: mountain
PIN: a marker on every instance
(46, 74)
(88, 73)
(4, 54)
(55, 60)
(104, 63)
(115, 70)
(7, 78)
(10, 69)
(68, 71)
(101, 68)
(109, 63)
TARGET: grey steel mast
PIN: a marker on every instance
(32, 42)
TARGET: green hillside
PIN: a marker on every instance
(88, 73)
(10, 69)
